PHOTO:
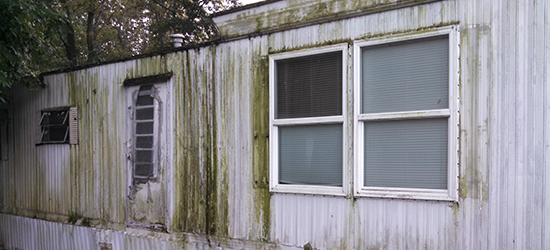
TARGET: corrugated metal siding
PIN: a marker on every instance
(218, 183)
(298, 219)
(27, 233)
(234, 126)
(505, 125)
(38, 182)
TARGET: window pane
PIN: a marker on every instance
(309, 86)
(144, 114)
(406, 153)
(310, 155)
(144, 142)
(144, 95)
(144, 100)
(54, 117)
(406, 76)
(54, 134)
(144, 128)
(143, 170)
(144, 156)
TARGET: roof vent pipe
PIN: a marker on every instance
(177, 40)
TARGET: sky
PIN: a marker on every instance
(245, 2)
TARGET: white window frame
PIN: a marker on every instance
(451, 193)
(274, 185)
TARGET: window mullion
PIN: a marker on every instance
(309, 120)
(423, 114)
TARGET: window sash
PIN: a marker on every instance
(276, 124)
(143, 95)
(410, 153)
(47, 125)
(451, 113)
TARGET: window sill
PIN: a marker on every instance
(307, 189)
(409, 194)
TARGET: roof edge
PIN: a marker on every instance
(150, 54)
(244, 7)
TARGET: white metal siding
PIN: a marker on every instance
(504, 145)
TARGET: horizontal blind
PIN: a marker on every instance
(406, 76)
(309, 86)
(406, 153)
(310, 155)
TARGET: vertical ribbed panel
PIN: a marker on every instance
(73, 125)
(221, 157)
(298, 219)
(26, 233)
(235, 137)
(505, 123)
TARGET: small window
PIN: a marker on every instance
(55, 126)
(307, 121)
(145, 132)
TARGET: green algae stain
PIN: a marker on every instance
(261, 145)
(312, 45)
(188, 177)
(463, 188)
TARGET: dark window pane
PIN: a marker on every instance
(144, 114)
(144, 156)
(309, 86)
(144, 128)
(54, 118)
(143, 170)
(310, 154)
(144, 142)
(54, 134)
(144, 100)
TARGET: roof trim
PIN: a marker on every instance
(147, 79)
(244, 7)
(331, 18)
(151, 54)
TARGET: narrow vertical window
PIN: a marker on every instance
(144, 134)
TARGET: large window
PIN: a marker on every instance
(405, 114)
(406, 122)
(307, 120)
